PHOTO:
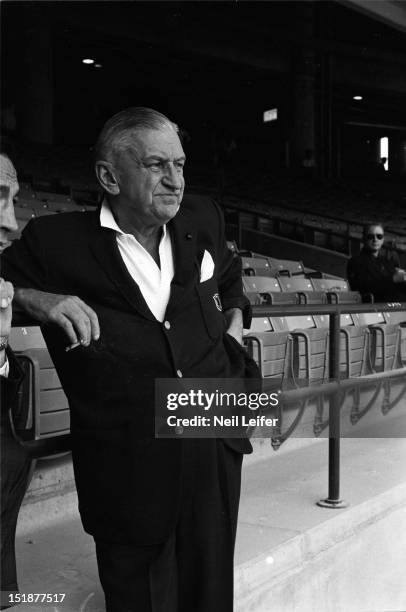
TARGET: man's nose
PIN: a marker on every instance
(172, 177)
(8, 219)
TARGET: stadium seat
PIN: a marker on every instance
(49, 415)
(304, 288)
(368, 318)
(266, 290)
(232, 245)
(330, 284)
(344, 297)
(400, 319)
(286, 266)
(385, 347)
(23, 214)
(259, 324)
(310, 355)
(260, 284)
(44, 212)
(354, 351)
(324, 320)
(292, 323)
(255, 266)
(295, 284)
(272, 352)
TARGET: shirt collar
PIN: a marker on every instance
(107, 220)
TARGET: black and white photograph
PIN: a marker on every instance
(203, 306)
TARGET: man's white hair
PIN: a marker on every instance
(118, 132)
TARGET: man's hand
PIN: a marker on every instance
(6, 297)
(76, 318)
(233, 318)
(399, 276)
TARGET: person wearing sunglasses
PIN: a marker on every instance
(372, 273)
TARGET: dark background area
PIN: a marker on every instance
(214, 68)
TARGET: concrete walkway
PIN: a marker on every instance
(281, 534)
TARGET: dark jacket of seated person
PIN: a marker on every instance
(371, 273)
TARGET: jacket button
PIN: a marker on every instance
(179, 373)
(167, 325)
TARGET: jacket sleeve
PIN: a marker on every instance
(24, 262)
(229, 273)
(365, 279)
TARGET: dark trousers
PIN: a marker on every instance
(15, 467)
(193, 570)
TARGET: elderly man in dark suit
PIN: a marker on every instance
(144, 288)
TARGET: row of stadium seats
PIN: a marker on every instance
(295, 348)
(298, 290)
(301, 355)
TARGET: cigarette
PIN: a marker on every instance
(72, 346)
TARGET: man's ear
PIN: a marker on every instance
(106, 177)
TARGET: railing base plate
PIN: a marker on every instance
(332, 503)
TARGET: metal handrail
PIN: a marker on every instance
(333, 311)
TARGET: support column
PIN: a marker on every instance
(302, 92)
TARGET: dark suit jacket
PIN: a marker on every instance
(368, 274)
(128, 482)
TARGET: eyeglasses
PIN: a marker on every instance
(372, 236)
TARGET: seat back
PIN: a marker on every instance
(368, 318)
(289, 283)
(330, 284)
(310, 355)
(232, 245)
(272, 352)
(292, 323)
(49, 405)
(260, 284)
(256, 266)
(385, 347)
(354, 351)
(286, 266)
(323, 320)
(259, 324)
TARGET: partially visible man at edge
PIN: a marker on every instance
(15, 464)
(371, 273)
(143, 279)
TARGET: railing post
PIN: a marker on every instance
(333, 500)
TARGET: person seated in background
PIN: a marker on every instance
(15, 465)
(371, 273)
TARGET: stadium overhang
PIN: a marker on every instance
(390, 12)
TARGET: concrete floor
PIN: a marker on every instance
(279, 522)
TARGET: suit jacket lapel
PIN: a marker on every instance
(184, 235)
(103, 244)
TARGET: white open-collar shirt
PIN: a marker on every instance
(154, 281)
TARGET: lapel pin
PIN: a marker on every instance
(217, 301)
(188, 236)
